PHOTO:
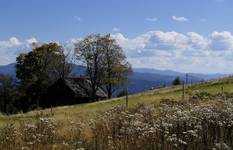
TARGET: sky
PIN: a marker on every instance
(181, 35)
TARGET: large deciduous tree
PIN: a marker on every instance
(117, 69)
(90, 52)
(105, 61)
(40, 67)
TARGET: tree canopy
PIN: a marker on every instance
(40, 67)
(105, 61)
(176, 81)
(116, 67)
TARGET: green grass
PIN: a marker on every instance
(86, 111)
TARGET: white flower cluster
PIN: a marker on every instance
(206, 124)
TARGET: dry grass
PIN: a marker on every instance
(193, 124)
(88, 111)
(89, 126)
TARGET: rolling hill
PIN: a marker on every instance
(89, 110)
(150, 115)
(141, 79)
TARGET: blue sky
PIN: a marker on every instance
(57, 19)
(198, 33)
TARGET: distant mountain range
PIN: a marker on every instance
(174, 73)
(141, 79)
(8, 69)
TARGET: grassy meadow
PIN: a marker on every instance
(88, 111)
(156, 119)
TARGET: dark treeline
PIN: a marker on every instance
(105, 62)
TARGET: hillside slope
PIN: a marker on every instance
(87, 111)
(140, 80)
(155, 119)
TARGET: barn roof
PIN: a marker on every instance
(82, 87)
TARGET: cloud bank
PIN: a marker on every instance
(189, 52)
(185, 52)
(9, 49)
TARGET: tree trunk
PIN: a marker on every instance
(4, 101)
(93, 94)
(109, 90)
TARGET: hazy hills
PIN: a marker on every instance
(141, 79)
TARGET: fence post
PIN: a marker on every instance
(126, 97)
(183, 90)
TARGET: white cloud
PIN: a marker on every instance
(12, 42)
(158, 40)
(186, 52)
(180, 19)
(189, 52)
(166, 40)
(130, 44)
(115, 29)
(32, 41)
(152, 19)
(197, 41)
(221, 41)
(9, 49)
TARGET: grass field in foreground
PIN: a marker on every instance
(87, 111)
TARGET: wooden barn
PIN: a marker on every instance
(70, 91)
